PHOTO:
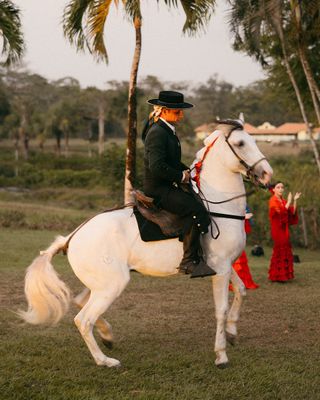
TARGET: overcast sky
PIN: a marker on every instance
(166, 53)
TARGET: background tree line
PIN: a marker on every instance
(31, 107)
(278, 33)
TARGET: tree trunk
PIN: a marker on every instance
(130, 171)
(66, 142)
(23, 133)
(16, 154)
(41, 139)
(314, 89)
(89, 139)
(315, 223)
(304, 227)
(299, 98)
(308, 74)
(58, 139)
(101, 130)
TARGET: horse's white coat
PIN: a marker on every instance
(104, 250)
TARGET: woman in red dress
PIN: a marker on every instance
(241, 264)
(282, 214)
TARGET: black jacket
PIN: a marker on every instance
(162, 159)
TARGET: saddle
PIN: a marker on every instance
(149, 214)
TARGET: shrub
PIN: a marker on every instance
(70, 178)
(30, 175)
(53, 162)
(12, 219)
(7, 170)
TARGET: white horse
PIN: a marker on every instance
(104, 250)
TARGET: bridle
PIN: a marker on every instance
(249, 173)
(249, 168)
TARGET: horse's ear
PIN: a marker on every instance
(241, 118)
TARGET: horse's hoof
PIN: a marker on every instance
(107, 343)
(231, 339)
(113, 363)
(222, 365)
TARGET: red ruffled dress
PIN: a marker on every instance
(241, 265)
(281, 264)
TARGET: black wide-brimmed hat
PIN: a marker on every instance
(170, 99)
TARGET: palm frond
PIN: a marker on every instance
(197, 12)
(133, 9)
(10, 28)
(171, 3)
(97, 16)
(83, 25)
(246, 21)
(312, 10)
(73, 23)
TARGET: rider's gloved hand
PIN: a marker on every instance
(185, 176)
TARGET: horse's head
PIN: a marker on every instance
(241, 154)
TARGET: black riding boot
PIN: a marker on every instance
(191, 262)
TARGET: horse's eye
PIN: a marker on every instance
(241, 143)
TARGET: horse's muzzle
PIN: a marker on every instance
(264, 172)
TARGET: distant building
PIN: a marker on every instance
(301, 130)
(266, 132)
(204, 130)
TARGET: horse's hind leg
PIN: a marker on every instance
(81, 299)
(98, 303)
(103, 327)
(234, 312)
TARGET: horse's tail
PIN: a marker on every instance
(48, 297)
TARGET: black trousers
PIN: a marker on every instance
(185, 204)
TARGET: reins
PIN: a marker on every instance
(249, 168)
(197, 167)
(220, 215)
(249, 172)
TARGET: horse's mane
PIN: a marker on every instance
(207, 141)
(233, 124)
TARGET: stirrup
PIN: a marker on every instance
(202, 270)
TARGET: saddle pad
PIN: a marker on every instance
(149, 231)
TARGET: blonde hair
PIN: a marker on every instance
(156, 113)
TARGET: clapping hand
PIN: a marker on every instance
(297, 196)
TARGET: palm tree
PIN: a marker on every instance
(263, 20)
(84, 23)
(307, 19)
(10, 31)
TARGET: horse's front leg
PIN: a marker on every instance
(220, 284)
(234, 312)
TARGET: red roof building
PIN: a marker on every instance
(266, 132)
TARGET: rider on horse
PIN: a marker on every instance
(164, 174)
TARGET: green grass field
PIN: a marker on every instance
(164, 334)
